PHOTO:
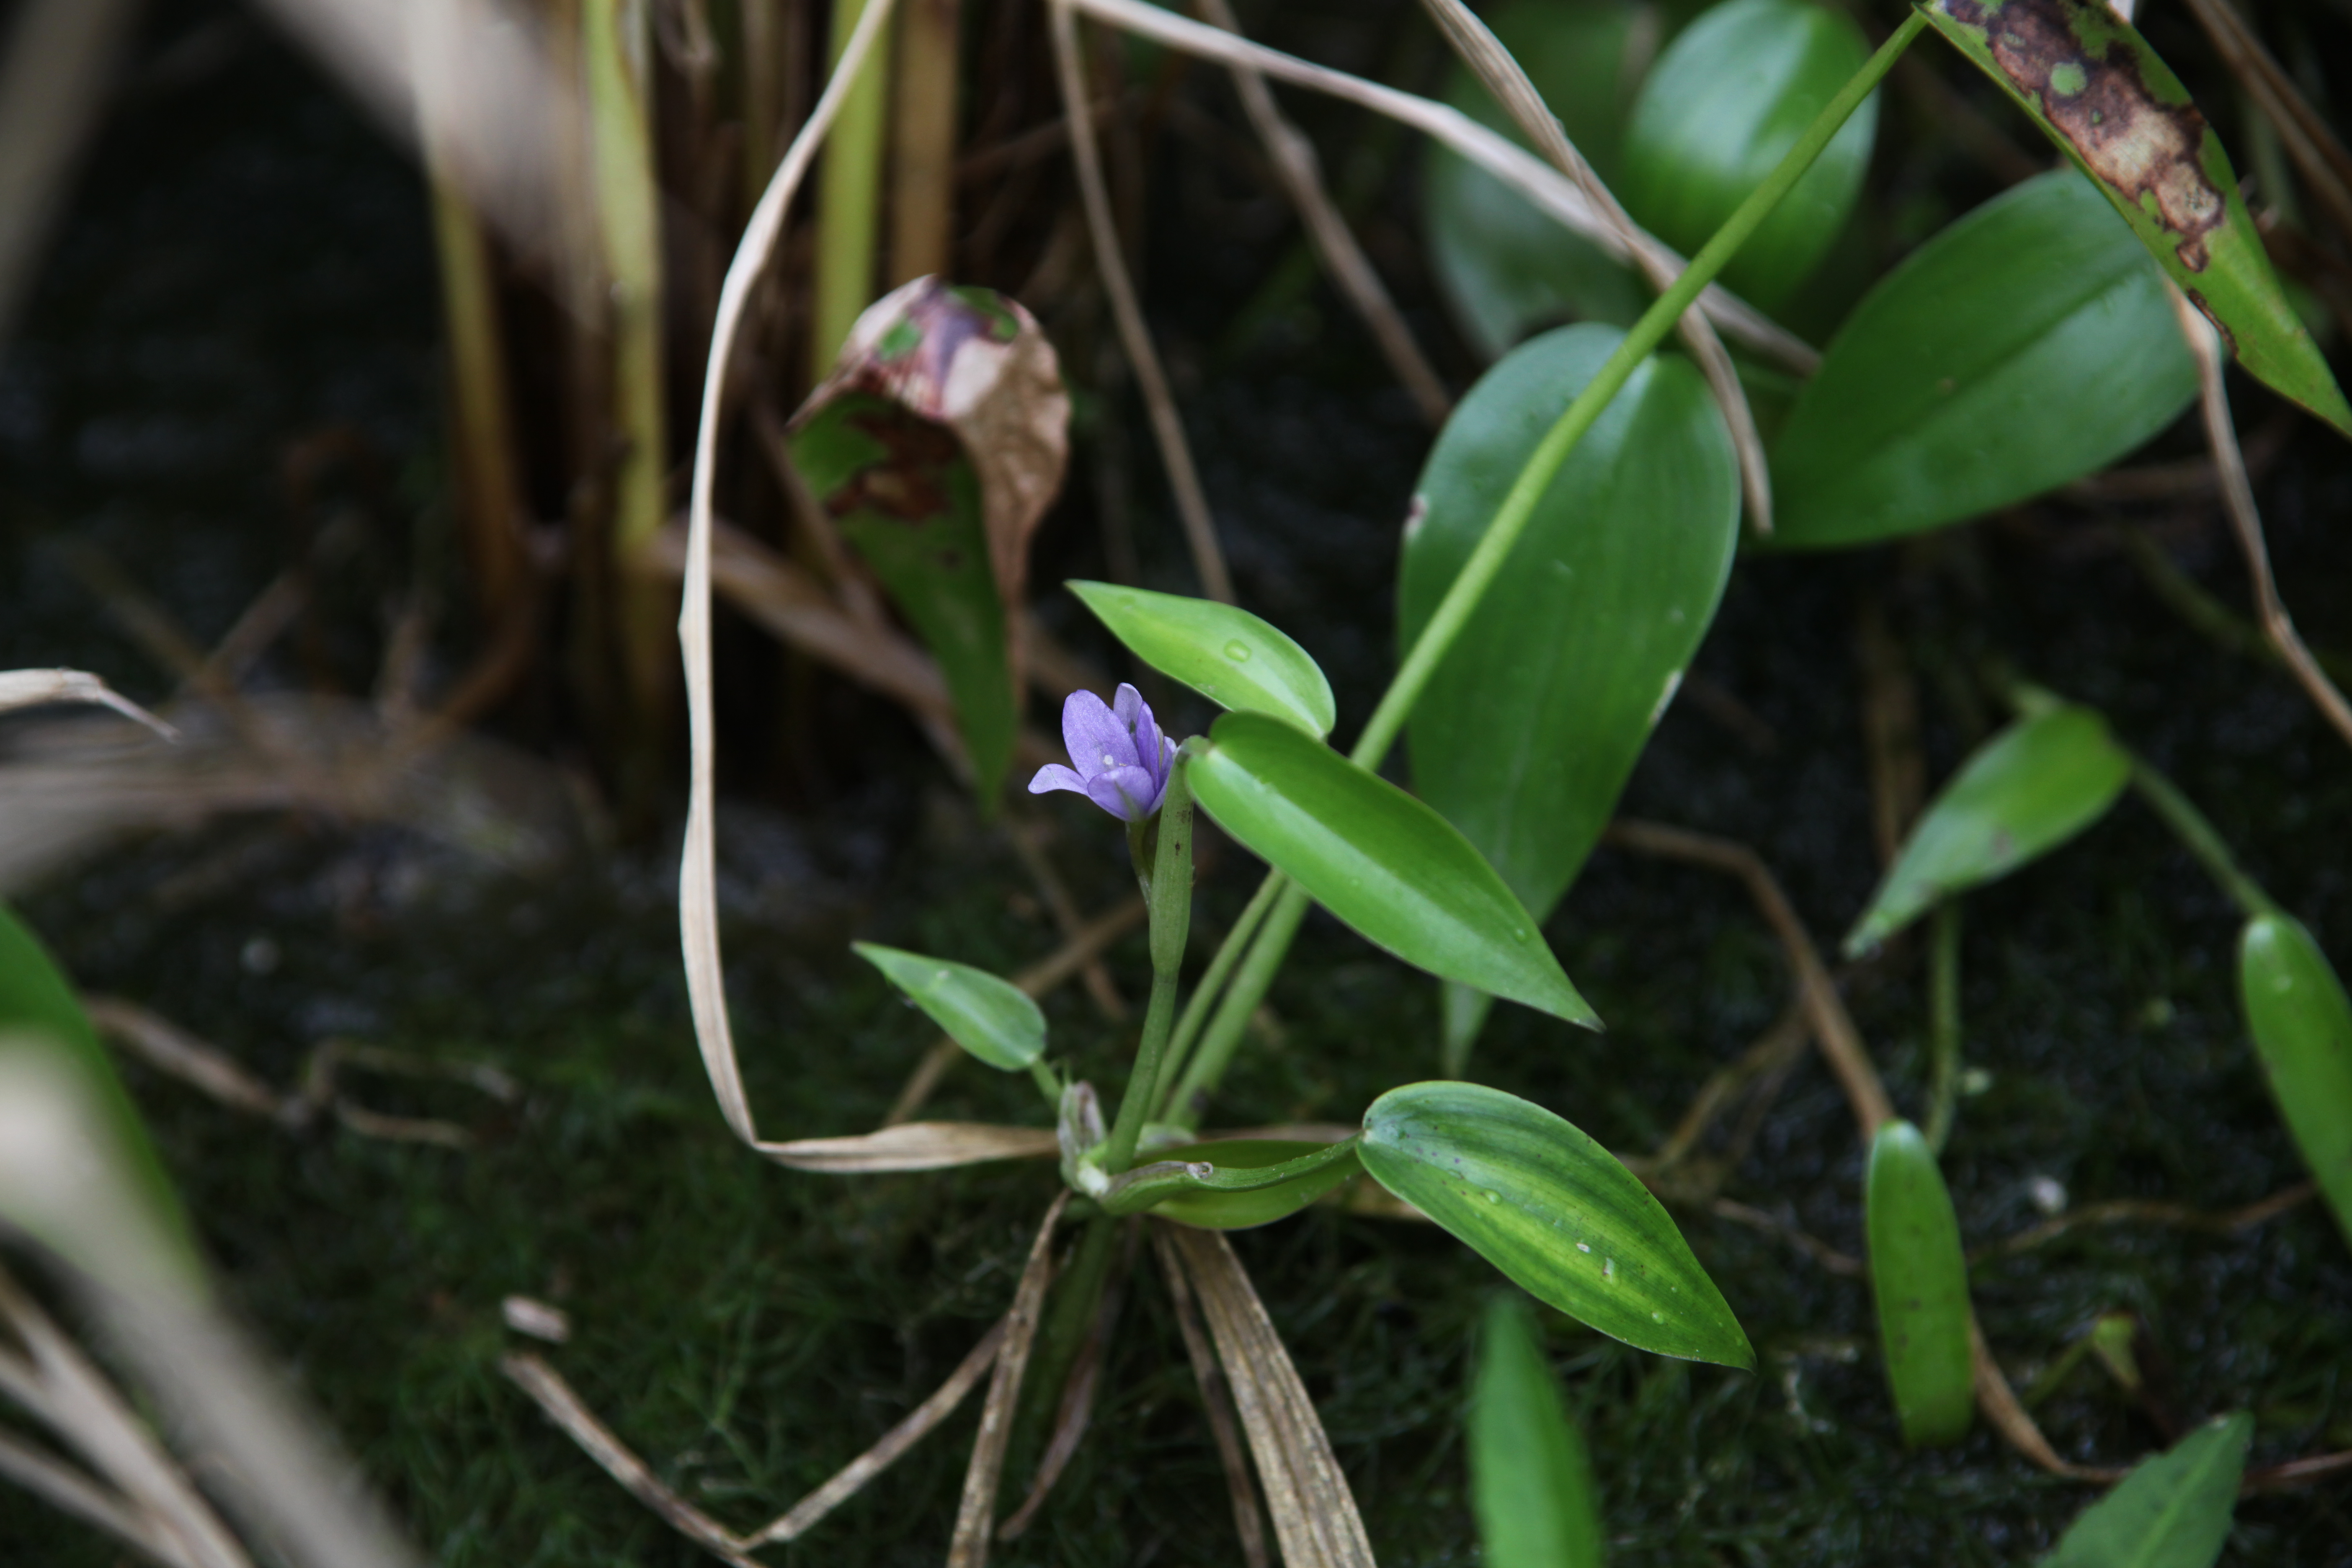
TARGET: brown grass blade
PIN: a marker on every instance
(37, 687)
(176, 1053)
(913, 1146)
(1314, 1517)
(68, 1491)
(976, 1516)
(1217, 1400)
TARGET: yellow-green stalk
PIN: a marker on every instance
(848, 201)
(923, 148)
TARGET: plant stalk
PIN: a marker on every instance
(1170, 897)
(1944, 1022)
(1502, 535)
(923, 148)
(1221, 969)
(2193, 830)
(850, 199)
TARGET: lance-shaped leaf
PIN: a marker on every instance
(2172, 1512)
(994, 1019)
(1556, 1212)
(1528, 729)
(1227, 654)
(1531, 1478)
(2096, 87)
(936, 444)
(1381, 860)
(2302, 1025)
(2025, 345)
(1721, 108)
(2023, 793)
(1505, 267)
(1236, 1183)
(1920, 1278)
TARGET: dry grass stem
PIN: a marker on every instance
(1812, 1247)
(2319, 157)
(1890, 731)
(914, 1146)
(2131, 1212)
(1315, 1518)
(527, 1315)
(1551, 192)
(1508, 81)
(1301, 176)
(1134, 336)
(1833, 1030)
(2000, 1406)
(918, 1424)
(2238, 499)
(975, 1526)
(69, 1491)
(39, 688)
(1217, 1400)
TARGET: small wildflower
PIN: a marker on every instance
(1120, 758)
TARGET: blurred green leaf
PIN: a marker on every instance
(992, 1018)
(1250, 1186)
(1506, 268)
(1720, 110)
(1531, 1478)
(1920, 1279)
(1381, 860)
(1227, 654)
(1528, 729)
(2024, 346)
(1556, 1212)
(2023, 793)
(2302, 1025)
(2172, 1512)
(2112, 106)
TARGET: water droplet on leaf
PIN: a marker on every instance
(1238, 651)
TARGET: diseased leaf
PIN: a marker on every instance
(1381, 860)
(1720, 110)
(936, 444)
(1920, 1279)
(2019, 796)
(1506, 268)
(2029, 343)
(1556, 1212)
(1227, 654)
(992, 1018)
(2172, 1512)
(2302, 1025)
(2112, 106)
(1531, 726)
(1530, 1478)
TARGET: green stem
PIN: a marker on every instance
(850, 199)
(2198, 833)
(1171, 898)
(1511, 520)
(1076, 1297)
(1221, 969)
(1944, 1022)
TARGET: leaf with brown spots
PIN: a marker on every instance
(2112, 105)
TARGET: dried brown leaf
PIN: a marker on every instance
(913, 1146)
(975, 1526)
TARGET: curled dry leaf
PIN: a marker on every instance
(36, 687)
(914, 1146)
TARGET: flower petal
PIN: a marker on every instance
(1096, 738)
(1129, 793)
(1132, 710)
(1054, 777)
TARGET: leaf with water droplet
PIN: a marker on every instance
(1231, 657)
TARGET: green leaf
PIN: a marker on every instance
(1720, 110)
(1528, 729)
(1505, 267)
(2024, 346)
(35, 998)
(2023, 793)
(2096, 87)
(2302, 1025)
(1254, 1181)
(1920, 1278)
(1228, 656)
(2172, 1512)
(1530, 1478)
(1381, 860)
(908, 498)
(992, 1018)
(1554, 1211)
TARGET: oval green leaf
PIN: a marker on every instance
(1390, 866)
(1720, 110)
(2302, 1025)
(1557, 1212)
(1231, 657)
(2172, 1512)
(1920, 1278)
(992, 1018)
(1528, 729)
(1530, 1478)
(1254, 1181)
(2023, 793)
(2022, 347)
(1505, 267)
(2093, 86)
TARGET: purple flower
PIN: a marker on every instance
(1122, 758)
